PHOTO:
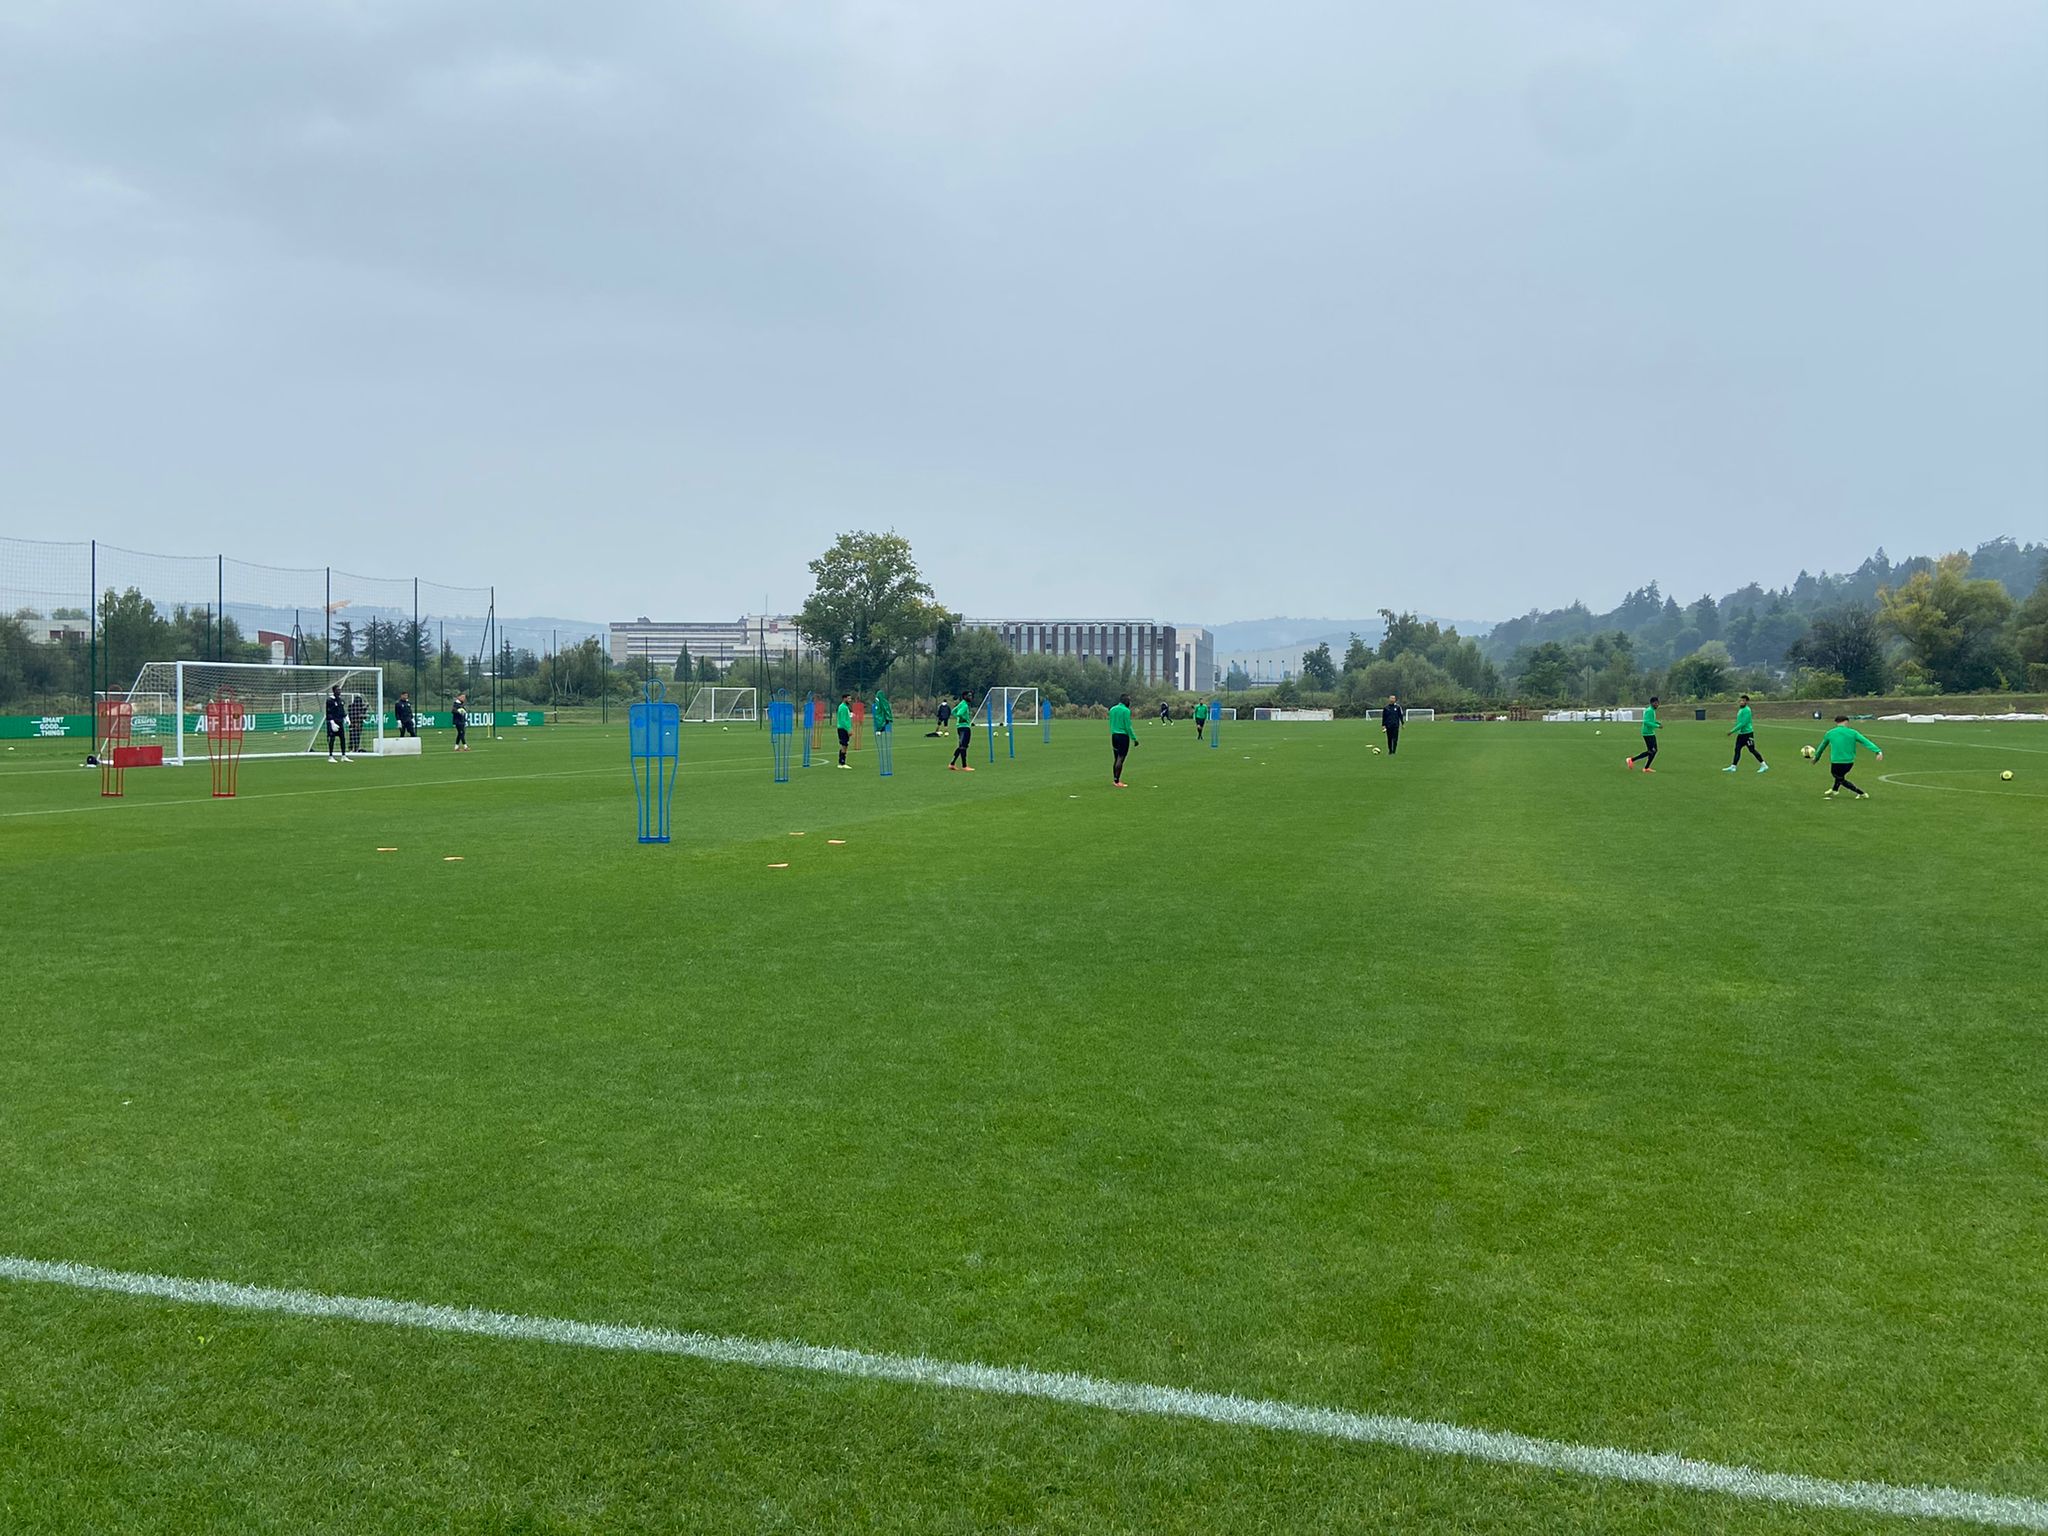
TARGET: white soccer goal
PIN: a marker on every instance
(1003, 706)
(1419, 716)
(713, 703)
(284, 707)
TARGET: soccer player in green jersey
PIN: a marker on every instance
(1841, 744)
(1121, 739)
(963, 727)
(1201, 718)
(1649, 752)
(1744, 732)
(844, 720)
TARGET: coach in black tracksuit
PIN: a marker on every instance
(1390, 722)
(404, 711)
(337, 723)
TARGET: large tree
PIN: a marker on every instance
(2030, 632)
(869, 604)
(1956, 627)
(1319, 668)
(1848, 642)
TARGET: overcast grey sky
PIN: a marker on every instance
(1192, 310)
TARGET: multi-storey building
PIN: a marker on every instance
(1196, 659)
(661, 641)
(1150, 648)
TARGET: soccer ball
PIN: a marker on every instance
(1807, 753)
(2007, 775)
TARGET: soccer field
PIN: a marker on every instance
(1486, 1091)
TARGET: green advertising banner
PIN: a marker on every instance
(28, 727)
(161, 727)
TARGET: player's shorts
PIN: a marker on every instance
(1747, 738)
(845, 736)
(1120, 741)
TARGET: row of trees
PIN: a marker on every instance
(1936, 626)
(38, 674)
(1757, 626)
(1942, 630)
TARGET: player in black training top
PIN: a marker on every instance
(337, 725)
(1390, 722)
(461, 717)
(404, 711)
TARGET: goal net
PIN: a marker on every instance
(284, 707)
(712, 703)
(1002, 707)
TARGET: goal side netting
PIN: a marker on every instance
(284, 706)
(711, 703)
(1004, 707)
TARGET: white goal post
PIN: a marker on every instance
(284, 709)
(1001, 707)
(713, 703)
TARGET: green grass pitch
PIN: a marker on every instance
(1487, 1085)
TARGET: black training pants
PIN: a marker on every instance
(1393, 739)
(960, 752)
(1649, 753)
(1841, 773)
(1120, 744)
(844, 738)
(1749, 741)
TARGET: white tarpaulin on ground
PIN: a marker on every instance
(1946, 719)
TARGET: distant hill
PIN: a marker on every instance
(1758, 624)
(1305, 634)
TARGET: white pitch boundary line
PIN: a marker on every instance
(1418, 1435)
(125, 804)
(1904, 781)
(1899, 731)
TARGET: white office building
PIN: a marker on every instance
(1195, 659)
(661, 641)
(1149, 647)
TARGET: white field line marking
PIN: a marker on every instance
(124, 804)
(1908, 733)
(1417, 1435)
(1905, 781)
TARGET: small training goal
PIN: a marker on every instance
(283, 705)
(711, 704)
(1002, 708)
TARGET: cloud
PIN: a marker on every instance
(1198, 301)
